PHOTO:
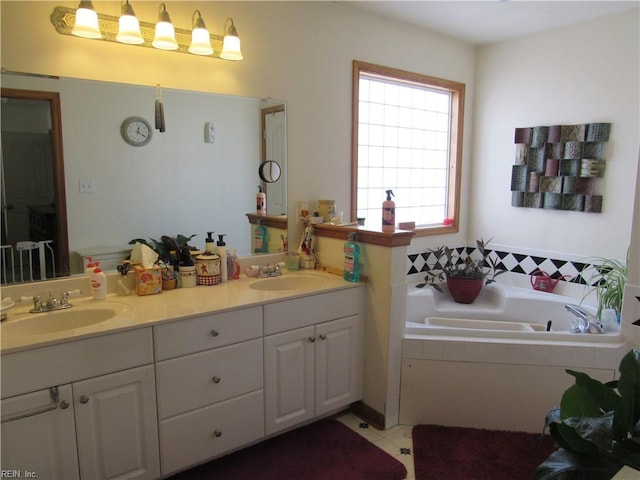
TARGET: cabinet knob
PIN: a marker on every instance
(63, 404)
(215, 333)
(217, 433)
(323, 336)
(84, 399)
(312, 339)
(216, 379)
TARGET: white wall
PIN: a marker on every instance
(301, 52)
(574, 75)
(176, 184)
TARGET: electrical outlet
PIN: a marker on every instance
(209, 132)
(87, 186)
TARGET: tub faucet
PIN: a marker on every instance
(586, 323)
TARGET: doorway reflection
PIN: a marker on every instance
(33, 198)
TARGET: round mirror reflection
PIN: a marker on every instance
(269, 171)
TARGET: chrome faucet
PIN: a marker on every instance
(269, 271)
(586, 322)
(51, 304)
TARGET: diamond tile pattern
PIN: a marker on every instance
(509, 261)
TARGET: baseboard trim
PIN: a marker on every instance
(368, 414)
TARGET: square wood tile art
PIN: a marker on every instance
(556, 167)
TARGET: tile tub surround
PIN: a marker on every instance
(510, 261)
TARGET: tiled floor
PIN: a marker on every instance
(396, 441)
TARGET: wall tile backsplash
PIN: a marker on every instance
(509, 261)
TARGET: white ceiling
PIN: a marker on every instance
(481, 22)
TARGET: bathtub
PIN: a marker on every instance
(501, 311)
(493, 364)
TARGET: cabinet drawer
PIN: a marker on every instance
(210, 331)
(302, 312)
(200, 379)
(211, 431)
(44, 367)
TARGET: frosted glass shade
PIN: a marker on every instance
(165, 37)
(200, 42)
(129, 30)
(86, 24)
(231, 48)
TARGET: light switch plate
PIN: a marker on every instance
(87, 186)
(209, 132)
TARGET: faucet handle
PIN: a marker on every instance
(51, 302)
(37, 302)
(64, 298)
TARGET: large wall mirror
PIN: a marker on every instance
(177, 183)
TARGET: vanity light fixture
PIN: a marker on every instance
(110, 28)
(129, 26)
(231, 43)
(165, 38)
(200, 39)
(86, 24)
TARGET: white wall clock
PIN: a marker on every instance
(136, 131)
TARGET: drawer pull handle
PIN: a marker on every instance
(216, 379)
(215, 333)
(84, 399)
(55, 396)
(217, 433)
(312, 339)
(323, 337)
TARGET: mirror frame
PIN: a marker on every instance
(62, 235)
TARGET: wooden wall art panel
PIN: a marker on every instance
(556, 167)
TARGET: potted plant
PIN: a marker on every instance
(608, 278)
(165, 245)
(465, 276)
(597, 426)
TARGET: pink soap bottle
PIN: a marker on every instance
(389, 213)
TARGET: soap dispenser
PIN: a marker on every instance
(209, 244)
(222, 251)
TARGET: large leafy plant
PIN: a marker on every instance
(597, 426)
(450, 264)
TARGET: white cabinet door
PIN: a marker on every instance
(38, 435)
(288, 378)
(337, 364)
(116, 425)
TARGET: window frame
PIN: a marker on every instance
(457, 91)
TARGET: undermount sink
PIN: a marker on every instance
(287, 282)
(76, 317)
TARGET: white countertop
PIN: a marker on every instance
(149, 310)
